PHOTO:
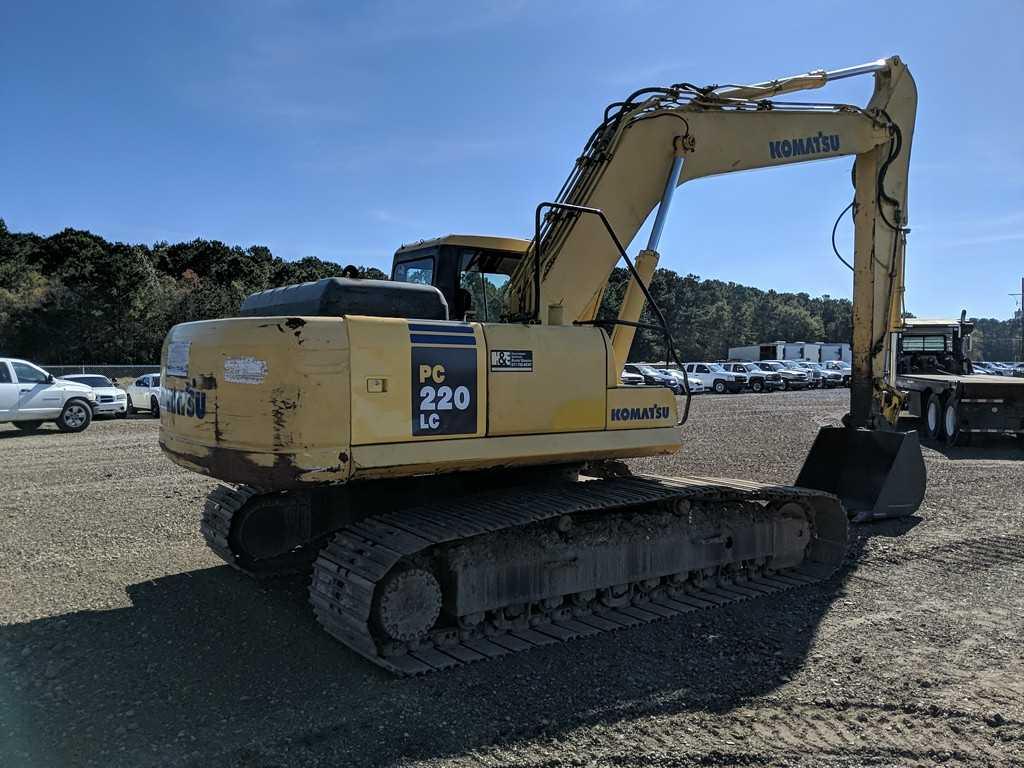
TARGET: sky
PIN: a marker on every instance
(342, 130)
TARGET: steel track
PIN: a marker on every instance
(348, 570)
(223, 506)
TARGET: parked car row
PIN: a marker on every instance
(638, 374)
(756, 376)
(998, 369)
(30, 396)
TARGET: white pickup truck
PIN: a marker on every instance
(144, 395)
(29, 396)
(715, 377)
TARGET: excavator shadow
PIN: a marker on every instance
(208, 663)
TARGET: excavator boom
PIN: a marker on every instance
(682, 133)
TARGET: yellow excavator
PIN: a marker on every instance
(442, 451)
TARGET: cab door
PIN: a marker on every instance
(37, 398)
(8, 392)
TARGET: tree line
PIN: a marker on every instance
(74, 297)
(707, 317)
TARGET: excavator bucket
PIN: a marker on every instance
(876, 474)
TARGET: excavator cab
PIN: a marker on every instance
(471, 271)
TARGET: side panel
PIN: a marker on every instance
(545, 379)
(261, 400)
(415, 458)
(416, 380)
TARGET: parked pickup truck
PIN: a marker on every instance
(715, 377)
(30, 396)
(935, 374)
(144, 395)
(842, 368)
(110, 399)
(759, 380)
(792, 378)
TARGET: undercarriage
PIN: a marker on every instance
(524, 560)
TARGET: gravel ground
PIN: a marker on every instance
(124, 642)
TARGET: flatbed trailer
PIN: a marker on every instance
(964, 405)
(954, 406)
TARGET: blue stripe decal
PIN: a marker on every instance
(441, 328)
(418, 338)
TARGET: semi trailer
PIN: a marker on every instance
(942, 389)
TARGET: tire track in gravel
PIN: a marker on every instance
(1004, 551)
(756, 734)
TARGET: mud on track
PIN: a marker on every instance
(124, 642)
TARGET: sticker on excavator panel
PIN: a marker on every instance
(444, 393)
(876, 474)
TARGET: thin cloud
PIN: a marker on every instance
(1000, 228)
(385, 216)
(305, 71)
(396, 21)
(666, 72)
(984, 239)
(429, 154)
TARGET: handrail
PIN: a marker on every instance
(537, 248)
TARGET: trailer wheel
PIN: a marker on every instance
(951, 423)
(933, 417)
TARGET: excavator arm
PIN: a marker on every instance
(658, 139)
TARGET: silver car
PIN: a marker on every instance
(826, 377)
(110, 400)
(696, 385)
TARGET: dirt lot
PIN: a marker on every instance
(123, 642)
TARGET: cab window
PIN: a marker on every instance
(140, 382)
(5, 374)
(924, 344)
(702, 369)
(29, 374)
(415, 271)
(483, 278)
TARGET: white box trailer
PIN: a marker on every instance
(816, 352)
(770, 351)
(803, 350)
(836, 352)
